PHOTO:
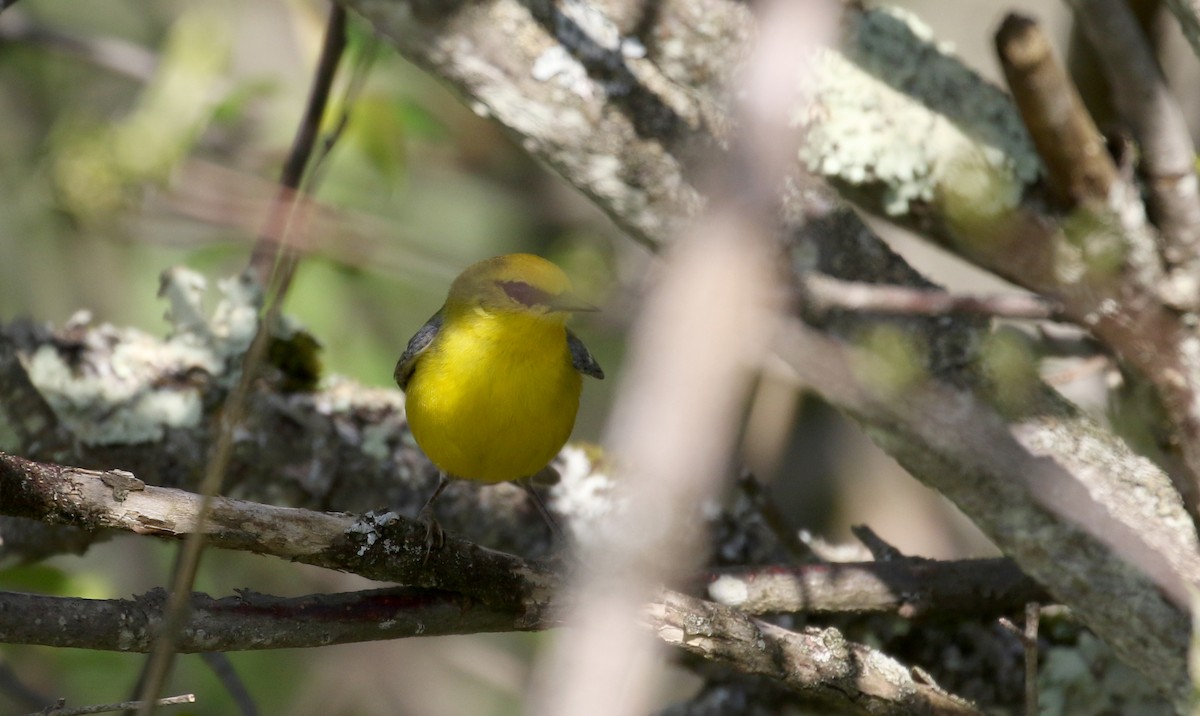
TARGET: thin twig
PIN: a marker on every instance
(271, 254)
(18, 691)
(359, 72)
(59, 710)
(1032, 616)
(158, 666)
(220, 664)
(776, 521)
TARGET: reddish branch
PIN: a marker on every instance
(250, 621)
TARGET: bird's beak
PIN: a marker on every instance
(570, 303)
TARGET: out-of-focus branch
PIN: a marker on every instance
(61, 708)
(273, 251)
(1079, 170)
(912, 587)
(1133, 602)
(821, 294)
(1188, 14)
(111, 53)
(699, 335)
(283, 220)
(218, 662)
(1145, 102)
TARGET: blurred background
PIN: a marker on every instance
(137, 136)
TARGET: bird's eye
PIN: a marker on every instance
(525, 294)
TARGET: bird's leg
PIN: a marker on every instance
(537, 500)
(434, 536)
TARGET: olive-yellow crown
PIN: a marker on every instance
(519, 283)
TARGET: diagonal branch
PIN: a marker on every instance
(1157, 122)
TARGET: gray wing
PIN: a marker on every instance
(582, 359)
(416, 346)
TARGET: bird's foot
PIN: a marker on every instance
(435, 536)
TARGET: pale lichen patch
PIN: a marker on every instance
(585, 492)
(138, 388)
(895, 109)
(728, 590)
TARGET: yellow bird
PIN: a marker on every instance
(492, 380)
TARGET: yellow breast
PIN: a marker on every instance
(494, 397)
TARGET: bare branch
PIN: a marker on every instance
(60, 708)
(384, 547)
(273, 252)
(717, 632)
(1188, 14)
(111, 53)
(912, 587)
(251, 621)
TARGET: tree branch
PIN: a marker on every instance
(819, 663)
(462, 588)
(911, 587)
(383, 547)
(250, 621)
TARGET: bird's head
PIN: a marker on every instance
(516, 283)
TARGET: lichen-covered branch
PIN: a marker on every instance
(147, 405)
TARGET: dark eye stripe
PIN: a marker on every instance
(525, 294)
